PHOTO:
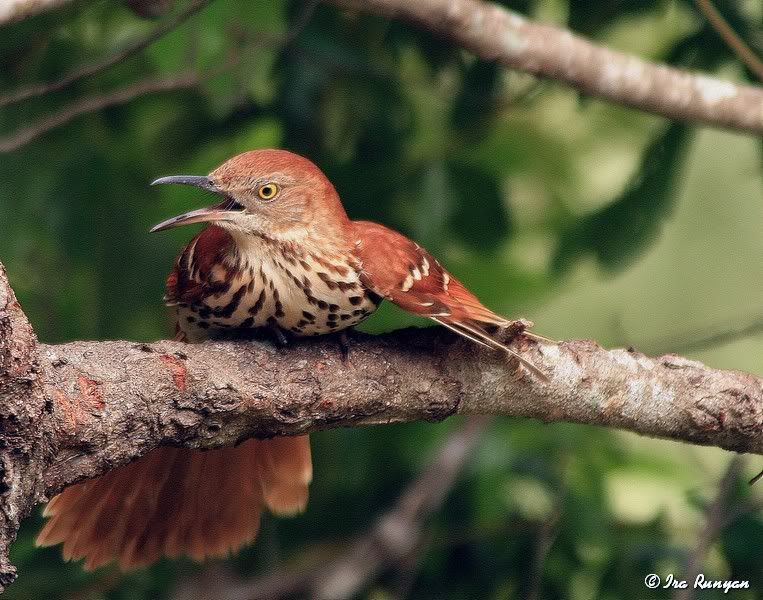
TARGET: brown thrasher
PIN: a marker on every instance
(282, 254)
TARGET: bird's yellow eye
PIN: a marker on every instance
(267, 191)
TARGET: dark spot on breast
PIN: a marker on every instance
(203, 324)
(328, 265)
(323, 305)
(302, 323)
(250, 287)
(326, 278)
(358, 312)
(305, 265)
(216, 288)
(333, 308)
(248, 322)
(191, 319)
(333, 316)
(309, 316)
(355, 300)
(344, 316)
(227, 310)
(205, 312)
(346, 286)
(258, 305)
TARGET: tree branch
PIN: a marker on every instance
(496, 33)
(76, 410)
(493, 32)
(179, 81)
(18, 10)
(716, 521)
(95, 103)
(730, 37)
(39, 89)
(398, 532)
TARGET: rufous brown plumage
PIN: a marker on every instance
(279, 253)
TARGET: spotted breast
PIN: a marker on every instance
(220, 284)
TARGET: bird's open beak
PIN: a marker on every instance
(219, 212)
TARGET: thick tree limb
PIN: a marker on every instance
(75, 410)
(23, 412)
(18, 10)
(493, 32)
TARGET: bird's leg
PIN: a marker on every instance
(279, 337)
(344, 344)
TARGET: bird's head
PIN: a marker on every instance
(271, 193)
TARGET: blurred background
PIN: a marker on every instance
(593, 220)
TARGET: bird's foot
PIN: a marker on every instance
(522, 327)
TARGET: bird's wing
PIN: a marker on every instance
(199, 266)
(401, 271)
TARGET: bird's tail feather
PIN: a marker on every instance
(176, 501)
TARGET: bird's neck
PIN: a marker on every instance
(251, 248)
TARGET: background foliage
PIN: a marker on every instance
(591, 219)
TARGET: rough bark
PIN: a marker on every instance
(24, 415)
(76, 410)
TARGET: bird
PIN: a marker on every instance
(278, 254)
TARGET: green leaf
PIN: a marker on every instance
(479, 216)
(619, 232)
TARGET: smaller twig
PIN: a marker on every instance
(40, 89)
(697, 341)
(751, 505)
(398, 533)
(733, 41)
(717, 519)
(544, 541)
(96, 103)
(756, 479)
(149, 86)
